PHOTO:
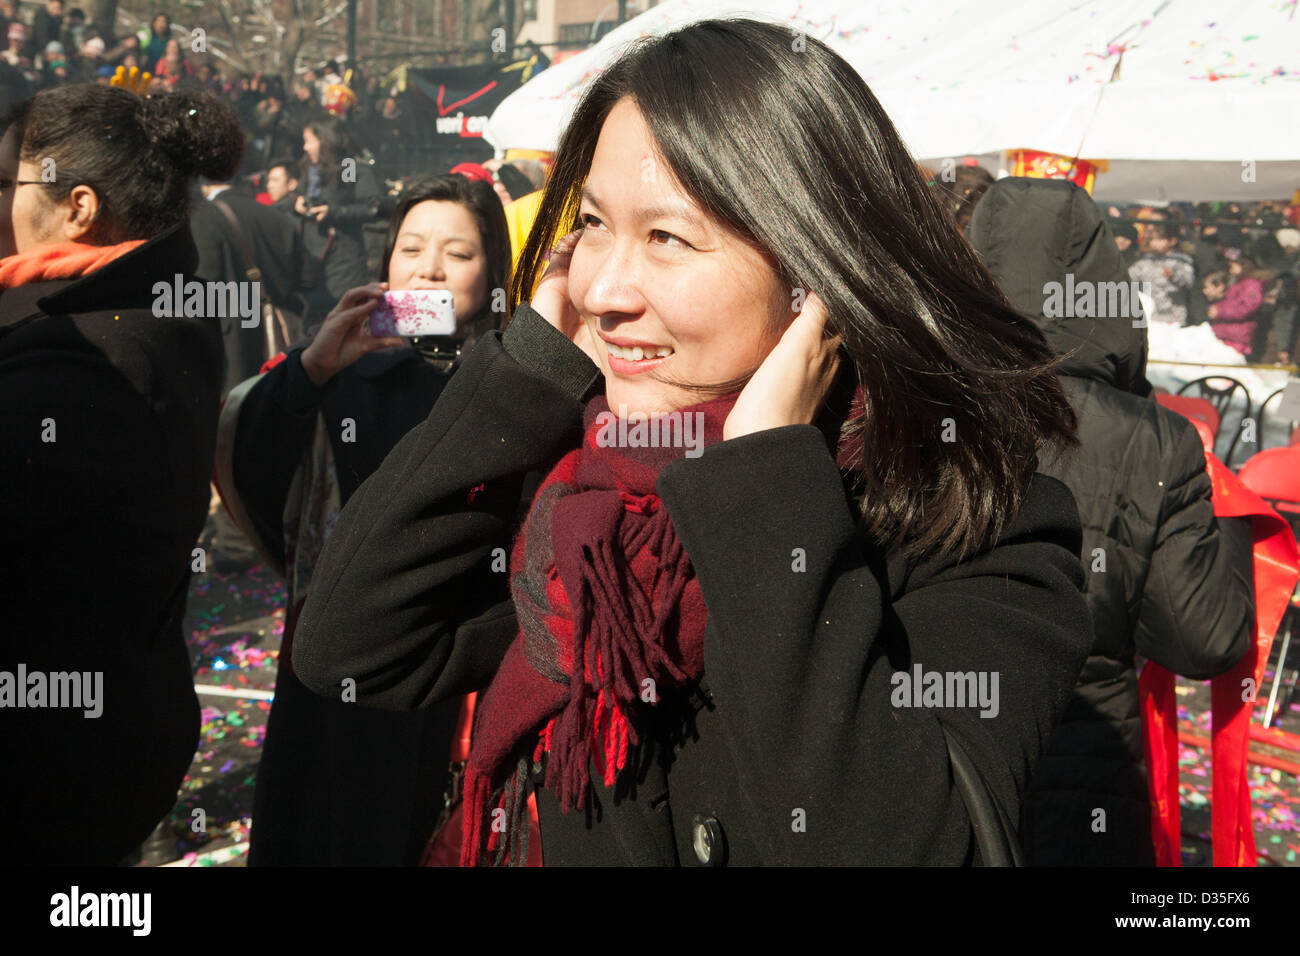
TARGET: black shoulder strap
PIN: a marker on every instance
(241, 241)
(254, 274)
(995, 835)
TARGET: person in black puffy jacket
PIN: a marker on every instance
(1165, 580)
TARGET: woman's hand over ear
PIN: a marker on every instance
(792, 382)
(551, 299)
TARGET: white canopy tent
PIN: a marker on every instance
(1186, 99)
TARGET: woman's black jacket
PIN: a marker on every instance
(1164, 579)
(108, 417)
(337, 785)
(790, 750)
(338, 242)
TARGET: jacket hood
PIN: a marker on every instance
(1032, 232)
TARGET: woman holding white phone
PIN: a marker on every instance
(337, 783)
(695, 659)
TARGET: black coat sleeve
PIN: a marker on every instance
(1198, 607)
(276, 242)
(357, 209)
(277, 422)
(405, 599)
(806, 633)
(211, 239)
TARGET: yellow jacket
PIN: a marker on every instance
(520, 215)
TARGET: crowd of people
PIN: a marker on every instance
(57, 47)
(514, 639)
(1232, 265)
(1235, 268)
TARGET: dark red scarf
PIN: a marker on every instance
(607, 602)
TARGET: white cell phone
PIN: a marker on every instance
(414, 313)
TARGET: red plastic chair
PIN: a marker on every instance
(1199, 412)
(1196, 409)
(1274, 475)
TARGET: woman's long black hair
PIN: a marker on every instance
(782, 142)
(336, 145)
(482, 202)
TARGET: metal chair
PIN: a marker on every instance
(1273, 398)
(1219, 391)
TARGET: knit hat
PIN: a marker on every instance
(54, 48)
(93, 47)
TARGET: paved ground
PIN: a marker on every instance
(234, 625)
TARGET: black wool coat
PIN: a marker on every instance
(96, 529)
(338, 784)
(1164, 578)
(274, 240)
(790, 750)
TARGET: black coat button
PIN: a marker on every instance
(709, 841)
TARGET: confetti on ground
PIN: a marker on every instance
(235, 623)
(1275, 794)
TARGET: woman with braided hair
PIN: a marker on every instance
(108, 418)
(789, 429)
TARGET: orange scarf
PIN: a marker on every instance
(62, 260)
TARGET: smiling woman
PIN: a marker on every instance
(690, 659)
(720, 227)
(646, 253)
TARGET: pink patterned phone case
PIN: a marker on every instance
(414, 312)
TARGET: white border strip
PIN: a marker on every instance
(251, 693)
